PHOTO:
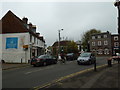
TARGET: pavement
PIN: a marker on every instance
(104, 77)
(6, 66)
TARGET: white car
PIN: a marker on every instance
(86, 58)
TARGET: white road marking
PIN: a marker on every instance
(39, 69)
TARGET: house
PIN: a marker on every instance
(79, 45)
(20, 41)
(66, 46)
(115, 38)
(63, 47)
(101, 43)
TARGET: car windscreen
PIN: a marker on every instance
(85, 54)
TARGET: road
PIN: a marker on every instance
(30, 77)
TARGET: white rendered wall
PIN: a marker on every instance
(15, 55)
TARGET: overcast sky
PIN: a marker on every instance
(74, 17)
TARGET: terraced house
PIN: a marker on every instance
(20, 41)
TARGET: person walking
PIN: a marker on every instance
(109, 61)
(63, 58)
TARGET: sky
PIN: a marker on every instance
(74, 17)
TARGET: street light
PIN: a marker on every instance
(59, 43)
(117, 4)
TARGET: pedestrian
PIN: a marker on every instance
(63, 57)
(109, 61)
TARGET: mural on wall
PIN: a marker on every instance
(11, 42)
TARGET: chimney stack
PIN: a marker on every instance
(34, 28)
(25, 20)
(38, 34)
(30, 26)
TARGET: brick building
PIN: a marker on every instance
(115, 38)
(63, 46)
(101, 43)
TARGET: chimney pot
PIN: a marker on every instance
(25, 20)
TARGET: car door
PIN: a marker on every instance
(47, 59)
(51, 59)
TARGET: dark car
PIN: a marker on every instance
(43, 60)
(71, 56)
(86, 58)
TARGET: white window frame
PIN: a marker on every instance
(93, 43)
(115, 38)
(99, 36)
(99, 43)
(116, 44)
(106, 51)
(105, 36)
(93, 37)
(105, 42)
(100, 51)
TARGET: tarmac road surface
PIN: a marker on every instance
(31, 77)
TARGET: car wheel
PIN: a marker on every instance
(55, 62)
(44, 63)
(90, 62)
(34, 65)
(78, 63)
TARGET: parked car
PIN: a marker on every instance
(117, 57)
(86, 58)
(71, 56)
(43, 60)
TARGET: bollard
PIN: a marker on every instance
(95, 65)
(109, 62)
(21, 60)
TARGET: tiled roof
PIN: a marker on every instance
(62, 43)
(13, 24)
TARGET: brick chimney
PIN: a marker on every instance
(34, 28)
(38, 34)
(30, 26)
(25, 20)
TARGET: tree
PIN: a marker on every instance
(86, 37)
(72, 47)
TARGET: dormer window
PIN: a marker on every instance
(99, 36)
(99, 43)
(93, 37)
(105, 36)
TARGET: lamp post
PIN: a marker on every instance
(117, 4)
(59, 43)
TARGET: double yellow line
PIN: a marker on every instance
(66, 77)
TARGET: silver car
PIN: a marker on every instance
(86, 58)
